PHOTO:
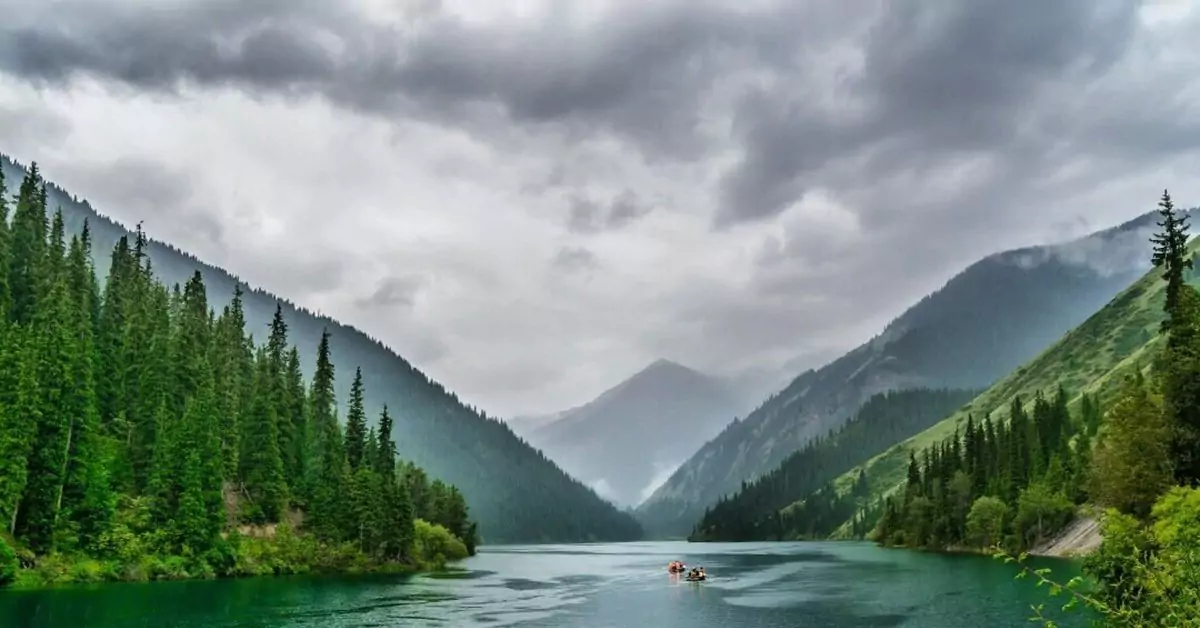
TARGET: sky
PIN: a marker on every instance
(532, 200)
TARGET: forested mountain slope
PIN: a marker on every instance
(884, 419)
(516, 494)
(639, 429)
(986, 321)
(1089, 360)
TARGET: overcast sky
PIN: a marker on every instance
(531, 200)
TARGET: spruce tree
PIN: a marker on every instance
(1179, 363)
(28, 246)
(322, 406)
(21, 416)
(111, 333)
(5, 252)
(87, 494)
(58, 351)
(1170, 254)
(356, 424)
(261, 461)
(295, 410)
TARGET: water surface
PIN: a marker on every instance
(752, 585)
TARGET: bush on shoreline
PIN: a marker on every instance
(286, 552)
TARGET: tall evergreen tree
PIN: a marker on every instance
(356, 424)
(262, 463)
(1179, 363)
(1170, 254)
(28, 246)
(19, 421)
(295, 410)
(5, 252)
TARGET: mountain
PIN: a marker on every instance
(515, 493)
(1090, 359)
(629, 438)
(993, 316)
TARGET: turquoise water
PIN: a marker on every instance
(760, 585)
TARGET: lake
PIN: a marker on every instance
(751, 585)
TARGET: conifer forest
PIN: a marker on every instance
(143, 435)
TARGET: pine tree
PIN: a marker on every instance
(87, 493)
(356, 424)
(1170, 254)
(57, 352)
(1179, 363)
(261, 461)
(21, 415)
(5, 253)
(111, 333)
(322, 406)
(296, 411)
(277, 359)
(28, 246)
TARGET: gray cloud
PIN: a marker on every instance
(574, 258)
(586, 215)
(393, 292)
(816, 159)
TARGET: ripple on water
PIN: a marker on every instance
(843, 585)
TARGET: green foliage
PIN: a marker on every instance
(138, 430)
(1131, 463)
(986, 522)
(1143, 576)
(1041, 511)
(434, 545)
(8, 562)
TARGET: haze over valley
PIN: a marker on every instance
(518, 306)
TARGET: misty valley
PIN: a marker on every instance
(546, 314)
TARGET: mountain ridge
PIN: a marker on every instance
(1115, 340)
(496, 470)
(1047, 291)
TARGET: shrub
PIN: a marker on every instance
(434, 545)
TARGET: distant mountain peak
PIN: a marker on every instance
(663, 364)
(631, 436)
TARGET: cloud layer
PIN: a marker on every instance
(532, 200)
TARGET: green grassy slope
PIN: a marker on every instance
(1121, 335)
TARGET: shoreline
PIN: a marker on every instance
(22, 585)
(284, 552)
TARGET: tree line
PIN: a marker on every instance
(1010, 483)
(753, 513)
(136, 421)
